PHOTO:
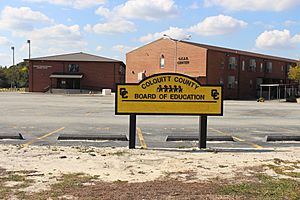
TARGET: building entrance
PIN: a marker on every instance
(68, 83)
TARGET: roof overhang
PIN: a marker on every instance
(76, 76)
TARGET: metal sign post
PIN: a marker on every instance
(169, 94)
(202, 131)
(132, 131)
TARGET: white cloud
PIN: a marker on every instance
(4, 41)
(77, 4)
(217, 25)
(253, 5)
(147, 9)
(99, 48)
(122, 48)
(277, 40)
(118, 26)
(141, 9)
(117, 19)
(58, 38)
(105, 12)
(173, 32)
(22, 18)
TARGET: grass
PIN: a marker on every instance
(258, 186)
(266, 187)
(270, 188)
(285, 168)
(67, 183)
(11, 176)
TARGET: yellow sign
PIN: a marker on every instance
(169, 93)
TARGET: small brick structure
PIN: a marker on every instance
(240, 72)
(77, 71)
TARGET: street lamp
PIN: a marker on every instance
(188, 37)
(13, 52)
(28, 41)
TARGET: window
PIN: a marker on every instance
(73, 68)
(231, 82)
(261, 67)
(252, 65)
(232, 63)
(282, 68)
(222, 64)
(269, 67)
(243, 65)
(141, 76)
(162, 62)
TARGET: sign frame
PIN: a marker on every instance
(202, 116)
(178, 114)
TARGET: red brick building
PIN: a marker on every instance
(79, 71)
(240, 72)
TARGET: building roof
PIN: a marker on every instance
(228, 50)
(75, 57)
(236, 51)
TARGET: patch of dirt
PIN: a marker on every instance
(151, 190)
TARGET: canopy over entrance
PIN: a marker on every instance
(66, 80)
(67, 76)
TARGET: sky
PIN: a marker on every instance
(110, 28)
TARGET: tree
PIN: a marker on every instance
(294, 73)
(14, 76)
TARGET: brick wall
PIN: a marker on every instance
(147, 59)
(209, 66)
(246, 83)
(96, 75)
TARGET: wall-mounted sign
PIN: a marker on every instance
(169, 93)
(42, 66)
(183, 60)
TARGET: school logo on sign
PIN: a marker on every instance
(169, 93)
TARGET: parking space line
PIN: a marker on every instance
(141, 138)
(238, 139)
(42, 137)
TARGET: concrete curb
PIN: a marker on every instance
(92, 137)
(12, 137)
(196, 138)
(274, 138)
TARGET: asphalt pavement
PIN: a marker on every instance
(41, 118)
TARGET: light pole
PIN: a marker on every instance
(28, 42)
(175, 53)
(13, 53)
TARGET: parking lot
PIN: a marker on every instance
(41, 118)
